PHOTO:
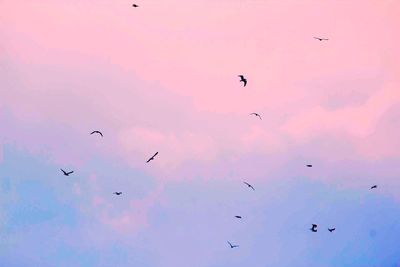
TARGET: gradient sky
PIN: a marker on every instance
(163, 77)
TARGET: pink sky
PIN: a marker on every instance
(164, 78)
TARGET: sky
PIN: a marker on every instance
(164, 77)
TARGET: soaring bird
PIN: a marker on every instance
(321, 39)
(373, 187)
(239, 217)
(314, 228)
(152, 158)
(117, 193)
(309, 165)
(243, 79)
(249, 185)
(134, 5)
(232, 246)
(256, 114)
(66, 173)
(331, 229)
(98, 132)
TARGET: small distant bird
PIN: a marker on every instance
(373, 187)
(117, 193)
(232, 246)
(98, 132)
(331, 229)
(67, 173)
(243, 79)
(314, 228)
(239, 217)
(134, 5)
(152, 158)
(256, 114)
(321, 39)
(249, 185)
(309, 165)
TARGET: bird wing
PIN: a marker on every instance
(63, 171)
(247, 184)
(252, 187)
(155, 154)
(317, 38)
(314, 225)
(244, 82)
(241, 77)
(229, 243)
(70, 172)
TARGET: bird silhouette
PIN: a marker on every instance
(232, 246)
(239, 217)
(309, 165)
(98, 132)
(135, 5)
(331, 229)
(117, 193)
(243, 79)
(373, 187)
(152, 158)
(256, 114)
(249, 185)
(321, 39)
(314, 228)
(67, 173)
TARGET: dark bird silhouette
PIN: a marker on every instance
(134, 5)
(239, 217)
(152, 158)
(321, 39)
(249, 185)
(256, 114)
(232, 246)
(243, 79)
(309, 165)
(67, 173)
(331, 229)
(373, 187)
(117, 193)
(314, 228)
(98, 132)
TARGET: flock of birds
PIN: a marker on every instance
(244, 81)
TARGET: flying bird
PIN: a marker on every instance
(331, 229)
(249, 185)
(117, 193)
(321, 39)
(98, 132)
(314, 228)
(232, 246)
(134, 5)
(243, 79)
(256, 114)
(152, 158)
(66, 173)
(309, 165)
(373, 187)
(239, 217)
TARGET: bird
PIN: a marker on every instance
(309, 165)
(256, 114)
(117, 193)
(243, 79)
(135, 5)
(152, 158)
(314, 228)
(66, 173)
(249, 185)
(98, 132)
(331, 229)
(321, 39)
(239, 217)
(232, 246)
(373, 187)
